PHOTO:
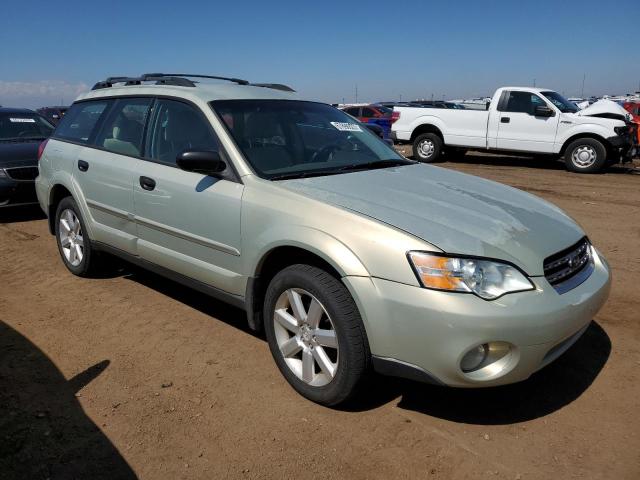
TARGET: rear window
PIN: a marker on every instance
(80, 121)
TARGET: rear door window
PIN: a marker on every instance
(80, 121)
(122, 129)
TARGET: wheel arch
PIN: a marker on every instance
(426, 128)
(56, 194)
(279, 257)
(577, 136)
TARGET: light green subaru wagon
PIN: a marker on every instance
(351, 257)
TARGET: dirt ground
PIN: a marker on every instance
(133, 376)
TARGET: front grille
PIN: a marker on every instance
(22, 173)
(568, 263)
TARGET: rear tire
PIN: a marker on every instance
(427, 147)
(315, 334)
(74, 244)
(585, 155)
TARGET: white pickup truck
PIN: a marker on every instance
(522, 119)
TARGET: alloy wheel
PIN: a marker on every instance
(306, 337)
(71, 239)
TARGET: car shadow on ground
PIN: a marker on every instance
(25, 213)
(216, 309)
(44, 432)
(548, 390)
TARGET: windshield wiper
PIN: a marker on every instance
(315, 173)
(390, 162)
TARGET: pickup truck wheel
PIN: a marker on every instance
(72, 239)
(427, 147)
(585, 155)
(315, 334)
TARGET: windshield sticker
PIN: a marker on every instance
(22, 120)
(346, 127)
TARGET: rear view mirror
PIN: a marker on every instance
(206, 162)
(543, 111)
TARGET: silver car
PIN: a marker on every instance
(351, 257)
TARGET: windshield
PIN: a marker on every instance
(564, 105)
(24, 126)
(290, 138)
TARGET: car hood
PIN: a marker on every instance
(605, 109)
(21, 154)
(455, 212)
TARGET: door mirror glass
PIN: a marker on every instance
(543, 111)
(201, 161)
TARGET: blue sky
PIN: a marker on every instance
(54, 50)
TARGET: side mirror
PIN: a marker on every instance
(543, 111)
(206, 162)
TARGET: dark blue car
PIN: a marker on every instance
(21, 133)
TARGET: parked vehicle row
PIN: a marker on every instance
(523, 119)
(349, 256)
(53, 114)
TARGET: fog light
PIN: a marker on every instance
(474, 358)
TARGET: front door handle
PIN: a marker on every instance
(83, 166)
(147, 183)
(505, 120)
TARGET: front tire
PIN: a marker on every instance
(585, 155)
(427, 147)
(73, 242)
(315, 334)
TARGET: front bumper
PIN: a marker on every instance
(14, 193)
(625, 146)
(423, 334)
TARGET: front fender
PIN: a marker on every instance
(320, 243)
(586, 129)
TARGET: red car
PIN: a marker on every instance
(376, 114)
(367, 112)
(634, 109)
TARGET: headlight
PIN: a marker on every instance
(2, 173)
(486, 278)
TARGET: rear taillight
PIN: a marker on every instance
(395, 116)
(41, 148)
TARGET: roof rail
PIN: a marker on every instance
(181, 80)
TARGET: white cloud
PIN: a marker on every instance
(38, 94)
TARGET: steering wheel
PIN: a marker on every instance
(324, 151)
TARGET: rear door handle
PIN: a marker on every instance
(505, 120)
(147, 183)
(83, 166)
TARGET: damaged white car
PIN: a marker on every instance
(523, 119)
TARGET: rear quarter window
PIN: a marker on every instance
(80, 121)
